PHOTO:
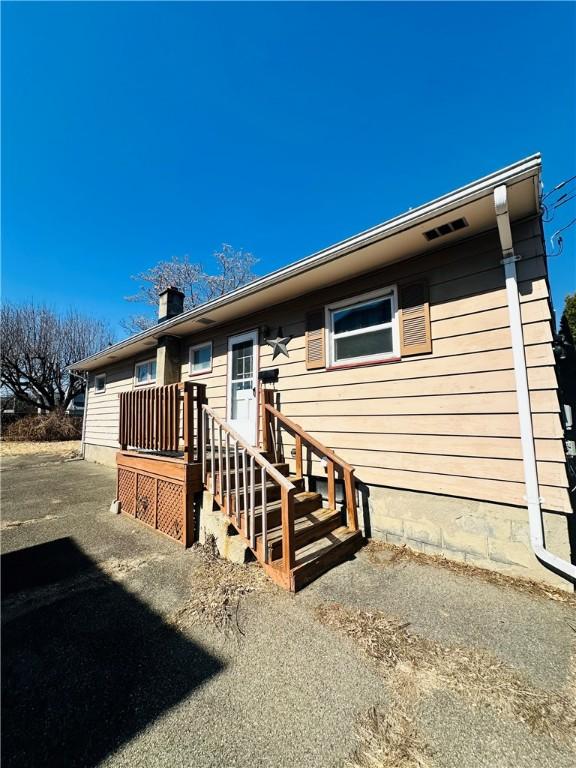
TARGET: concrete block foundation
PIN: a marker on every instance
(485, 534)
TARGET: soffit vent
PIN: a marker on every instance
(205, 321)
(445, 229)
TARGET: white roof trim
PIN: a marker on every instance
(512, 174)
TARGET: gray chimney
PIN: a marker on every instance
(170, 303)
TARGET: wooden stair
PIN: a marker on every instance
(321, 539)
(322, 554)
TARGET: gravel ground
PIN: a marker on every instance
(97, 672)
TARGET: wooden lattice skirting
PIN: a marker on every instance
(159, 492)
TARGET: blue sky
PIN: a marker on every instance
(134, 132)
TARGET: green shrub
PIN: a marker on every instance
(48, 428)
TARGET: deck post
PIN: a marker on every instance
(288, 545)
(200, 390)
(188, 425)
(188, 503)
(298, 439)
(351, 509)
(266, 399)
(331, 484)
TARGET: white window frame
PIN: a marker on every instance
(96, 390)
(201, 371)
(148, 381)
(390, 291)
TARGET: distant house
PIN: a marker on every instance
(13, 408)
(76, 405)
(405, 376)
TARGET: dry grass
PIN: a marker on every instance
(51, 427)
(218, 587)
(390, 738)
(381, 554)
(68, 449)
(474, 674)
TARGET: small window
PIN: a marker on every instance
(100, 383)
(201, 358)
(145, 372)
(363, 330)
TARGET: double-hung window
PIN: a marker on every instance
(363, 329)
(145, 372)
(201, 358)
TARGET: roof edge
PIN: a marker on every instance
(529, 166)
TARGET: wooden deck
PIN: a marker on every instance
(159, 474)
(159, 491)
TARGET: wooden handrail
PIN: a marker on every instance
(296, 429)
(261, 460)
(228, 492)
(303, 437)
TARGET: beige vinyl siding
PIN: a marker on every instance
(444, 422)
(103, 410)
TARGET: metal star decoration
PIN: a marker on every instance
(279, 344)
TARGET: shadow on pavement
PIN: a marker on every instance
(86, 665)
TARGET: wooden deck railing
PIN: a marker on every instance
(166, 419)
(273, 420)
(236, 473)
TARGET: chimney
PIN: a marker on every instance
(170, 303)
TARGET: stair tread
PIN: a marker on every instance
(309, 520)
(299, 498)
(294, 479)
(277, 465)
(310, 552)
(271, 487)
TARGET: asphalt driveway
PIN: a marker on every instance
(106, 660)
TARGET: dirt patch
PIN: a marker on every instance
(382, 555)
(479, 677)
(68, 449)
(218, 587)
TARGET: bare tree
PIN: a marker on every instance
(38, 344)
(234, 268)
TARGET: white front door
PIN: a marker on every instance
(242, 384)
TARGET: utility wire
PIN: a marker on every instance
(559, 186)
(560, 240)
(563, 228)
(550, 208)
(546, 218)
(558, 203)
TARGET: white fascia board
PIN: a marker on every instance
(512, 174)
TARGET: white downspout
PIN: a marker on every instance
(85, 414)
(533, 499)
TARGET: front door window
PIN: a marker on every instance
(242, 377)
(242, 385)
